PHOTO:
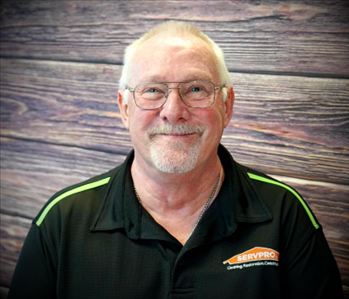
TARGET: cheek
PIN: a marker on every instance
(140, 120)
(214, 117)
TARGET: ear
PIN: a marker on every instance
(123, 107)
(228, 105)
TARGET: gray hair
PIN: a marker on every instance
(178, 29)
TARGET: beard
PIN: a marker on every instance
(175, 156)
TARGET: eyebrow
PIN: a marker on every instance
(203, 76)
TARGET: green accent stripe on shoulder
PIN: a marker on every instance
(68, 193)
(263, 179)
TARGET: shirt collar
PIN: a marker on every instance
(237, 201)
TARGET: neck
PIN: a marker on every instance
(176, 201)
(175, 190)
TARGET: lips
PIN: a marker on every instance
(177, 134)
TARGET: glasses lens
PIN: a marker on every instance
(150, 95)
(198, 93)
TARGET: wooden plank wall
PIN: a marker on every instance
(60, 64)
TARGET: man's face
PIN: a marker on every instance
(175, 138)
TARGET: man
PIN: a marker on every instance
(180, 218)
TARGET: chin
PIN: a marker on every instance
(175, 157)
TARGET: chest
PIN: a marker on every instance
(111, 265)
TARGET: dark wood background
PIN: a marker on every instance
(60, 65)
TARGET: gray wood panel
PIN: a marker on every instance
(295, 37)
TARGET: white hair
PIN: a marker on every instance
(177, 29)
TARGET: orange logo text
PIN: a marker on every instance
(254, 254)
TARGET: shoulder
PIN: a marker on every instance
(82, 196)
(279, 196)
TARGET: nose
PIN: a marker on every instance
(174, 110)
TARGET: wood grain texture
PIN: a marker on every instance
(285, 125)
(32, 172)
(300, 37)
(301, 124)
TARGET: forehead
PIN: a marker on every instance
(164, 58)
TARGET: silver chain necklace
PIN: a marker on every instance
(203, 210)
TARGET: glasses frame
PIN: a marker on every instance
(180, 94)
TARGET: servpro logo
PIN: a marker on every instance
(257, 256)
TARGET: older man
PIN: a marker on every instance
(179, 218)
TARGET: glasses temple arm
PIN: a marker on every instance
(129, 88)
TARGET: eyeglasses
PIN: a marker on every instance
(195, 94)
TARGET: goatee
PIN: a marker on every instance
(175, 156)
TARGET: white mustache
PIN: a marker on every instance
(175, 129)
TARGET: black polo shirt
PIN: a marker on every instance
(258, 239)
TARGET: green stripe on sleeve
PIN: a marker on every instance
(68, 193)
(263, 179)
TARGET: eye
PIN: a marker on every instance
(196, 89)
(153, 89)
